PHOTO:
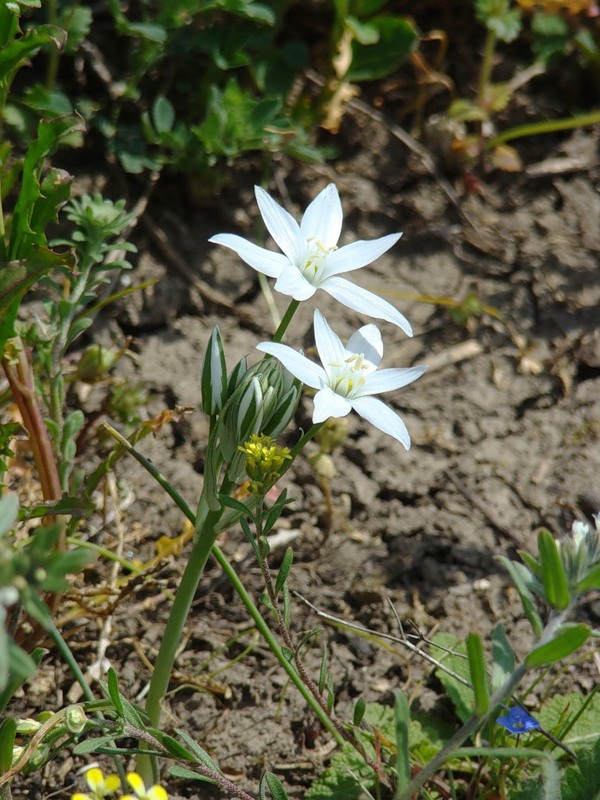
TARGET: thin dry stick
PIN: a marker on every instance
(403, 639)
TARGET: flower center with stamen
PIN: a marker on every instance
(348, 377)
(313, 262)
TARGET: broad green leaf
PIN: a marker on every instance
(477, 668)
(18, 276)
(16, 53)
(557, 714)
(462, 696)
(397, 40)
(568, 639)
(163, 114)
(275, 787)
(581, 779)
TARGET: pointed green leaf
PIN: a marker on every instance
(8, 731)
(553, 576)
(478, 672)
(502, 656)
(284, 569)
(323, 670)
(199, 752)
(568, 639)
(189, 775)
(591, 581)
(525, 595)
(112, 686)
(359, 711)
(275, 787)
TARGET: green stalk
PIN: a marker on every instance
(486, 68)
(544, 126)
(287, 318)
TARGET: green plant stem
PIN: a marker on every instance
(544, 126)
(287, 318)
(184, 596)
(53, 55)
(486, 69)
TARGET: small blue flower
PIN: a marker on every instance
(518, 721)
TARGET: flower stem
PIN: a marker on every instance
(287, 318)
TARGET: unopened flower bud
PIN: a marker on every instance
(213, 384)
(237, 376)
(75, 719)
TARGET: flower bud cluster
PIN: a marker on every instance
(261, 399)
(580, 556)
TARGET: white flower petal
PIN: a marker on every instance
(359, 299)
(358, 254)
(259, 258)
(301, 367)
(382, 417)
(294, 284)
(281, 225)
(386, 380)
(323, 218)
(329, 345)
(329, 404)
(367, 341)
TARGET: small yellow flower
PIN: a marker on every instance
(141, 793)
(98, 784)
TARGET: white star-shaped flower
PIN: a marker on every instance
(311, 259)
(347, 377)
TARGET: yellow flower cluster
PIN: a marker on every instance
(264, 460)
(101, 787)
